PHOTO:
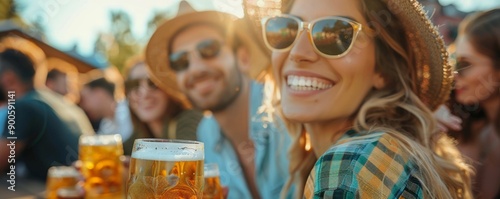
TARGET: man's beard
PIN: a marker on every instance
(223, 103)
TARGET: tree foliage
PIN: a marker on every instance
(119, 43)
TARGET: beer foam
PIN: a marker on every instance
(101, 140)
(211, 173)
(63, 171)
(162, 151)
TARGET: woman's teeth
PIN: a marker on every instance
(302, 83)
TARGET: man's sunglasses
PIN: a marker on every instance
(134, 84)
(332, 37)
(207, 49)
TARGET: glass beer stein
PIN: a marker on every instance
(59, 178)
(101, 165)
(212, 188)
(162, 168)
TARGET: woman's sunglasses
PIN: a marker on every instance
(461, 67)
(134, 84)
(207, 49)
(332, 37)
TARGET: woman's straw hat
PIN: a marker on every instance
(157, 50)
(434, 75)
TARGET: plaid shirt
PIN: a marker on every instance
(371, 166)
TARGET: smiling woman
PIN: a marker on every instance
(157, 112)
(477, 98)
(360, 88)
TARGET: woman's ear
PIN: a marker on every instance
(243, 59)
(378, 81)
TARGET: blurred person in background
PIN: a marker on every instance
(44, 138)
(99, 102)
(156, 112)
(65, 107)
(57, 81)
(475, 103)
(55, 86)
(62, 78)
(213, 71)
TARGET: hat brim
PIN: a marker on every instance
(157, 50)
(433, 78)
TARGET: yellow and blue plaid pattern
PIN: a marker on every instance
(370, 166)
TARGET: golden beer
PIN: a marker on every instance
(212, 188)
(166, 169)
(60, 177)
(101, 165)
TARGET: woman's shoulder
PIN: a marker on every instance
(365, 144)
(377, 146)
(368, 165)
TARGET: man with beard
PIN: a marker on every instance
(208, 55)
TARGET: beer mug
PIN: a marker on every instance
(212, 188)
(162, 168)
(101, 165)
(59, 178)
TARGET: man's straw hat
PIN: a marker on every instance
(157, 50)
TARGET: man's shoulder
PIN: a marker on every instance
(31, 114)
(208, 120)
(32, 102)
(208, 128)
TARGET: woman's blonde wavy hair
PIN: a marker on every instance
(396, 110)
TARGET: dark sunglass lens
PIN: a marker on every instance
(332, 36)
(461, 66)
(151, 84)
(280, 32)
(179, 61)
(209, 48)
(131, 85)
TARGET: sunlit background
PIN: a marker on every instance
(78, 22)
